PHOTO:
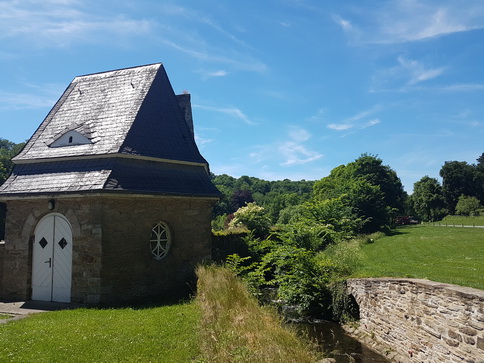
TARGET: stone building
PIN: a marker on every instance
(110, 200)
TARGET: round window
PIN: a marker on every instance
(160, 240)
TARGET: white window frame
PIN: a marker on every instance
(160, 240)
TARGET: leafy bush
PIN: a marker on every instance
(311, 236)
(468, 206)
(346, 257)
(218, 223)
(253, 217)
(228, 242)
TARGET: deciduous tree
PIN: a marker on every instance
(428, 199)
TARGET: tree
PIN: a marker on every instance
(480, 162)
(8, 150)
(428, 199)
(468, 206)
(371, 189)
(240, 198)
(274, 196)
(460, 178)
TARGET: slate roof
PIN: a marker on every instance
(130, 111)
(139, 140)
(109, 175)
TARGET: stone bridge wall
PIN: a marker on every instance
(413, 320)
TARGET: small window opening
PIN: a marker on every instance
(70, 139)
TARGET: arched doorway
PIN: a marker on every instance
(52, 259)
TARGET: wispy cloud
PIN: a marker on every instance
(214, 54)
(66, 23)
(19, 101)
(340, 127)
(343, 23)
(232, 112)
(417, 71)
(297, 154)
(464, 87)
(212, 74)
(411, 20)
(61, 23)
(404, 76)
(202, 141)
(36, 97)
(318, 116)
(293, 150)
(358, 121)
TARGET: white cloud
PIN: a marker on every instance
(404, 76)
(43, 96)
(201, 141)
(296, 154)
(293, 152)
(299, 135)
(357, 121)
(220, 73)
(417, 71)
(24, 101)
(411, 20)
(57, 23)
(343, 23)
(212, 74)
(339, 127)
(464, 87)
(230, 111)
(319, 115)
(370, 123)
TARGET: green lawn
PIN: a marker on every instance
(158, 334)
(446, 254)
(463, 220)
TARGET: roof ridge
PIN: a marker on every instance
(159, 64)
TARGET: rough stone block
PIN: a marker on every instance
(468, 331)
(480, 343)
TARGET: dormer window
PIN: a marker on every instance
(71, 138)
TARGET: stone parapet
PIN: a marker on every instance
(414, 320)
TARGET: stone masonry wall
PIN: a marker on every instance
(130, 270)
(84, 215)
(413, 320)
(112, 260)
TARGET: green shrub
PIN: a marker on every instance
(252, 216)
(228, 242)
(218, 223)
(468, 206)
(346, 257)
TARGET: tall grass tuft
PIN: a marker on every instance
(235, 328)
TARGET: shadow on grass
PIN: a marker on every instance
(174, 297)
(399, 230)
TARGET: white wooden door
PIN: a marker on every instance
(52, 260)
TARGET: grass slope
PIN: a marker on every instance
(463, 220)
(235, 328)
(160, 334)
(446, 254)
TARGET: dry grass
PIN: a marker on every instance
(235, 328)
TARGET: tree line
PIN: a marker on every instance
(372, 190)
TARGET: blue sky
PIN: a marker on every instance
(280, 89)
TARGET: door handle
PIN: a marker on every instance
(49, 262)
